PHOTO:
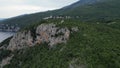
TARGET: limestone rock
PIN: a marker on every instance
(20, 40)
(45, 33)
(75, 29)
(6, 61)
(51, 34)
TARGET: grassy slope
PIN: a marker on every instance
(93, 46)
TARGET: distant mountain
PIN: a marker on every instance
(92, 10)
(82, 2)
(87, 10)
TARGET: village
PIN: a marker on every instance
(61, 17)
(15, 28)
(9, 28)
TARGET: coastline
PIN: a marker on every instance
(5, 35)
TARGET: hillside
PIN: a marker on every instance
(86, 10)
(94, 45)
(85, 34)
(100, 11)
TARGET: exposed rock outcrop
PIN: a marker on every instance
(20, 40)
(52, 34)
(6, 61)
(45, 33)
(74, 29)
(74, 64)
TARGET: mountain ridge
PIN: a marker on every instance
(96, 11)
(81, 2)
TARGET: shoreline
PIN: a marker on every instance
(5, 35)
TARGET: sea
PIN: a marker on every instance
(5, 35)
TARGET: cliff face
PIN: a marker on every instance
(52, 34)
(45, 33)
(20, 40)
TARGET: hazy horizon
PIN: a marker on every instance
(11, 8)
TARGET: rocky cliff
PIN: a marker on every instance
(45, 33)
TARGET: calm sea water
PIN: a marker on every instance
(5, 35)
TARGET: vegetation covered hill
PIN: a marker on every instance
(95, 10)
(95, 45)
